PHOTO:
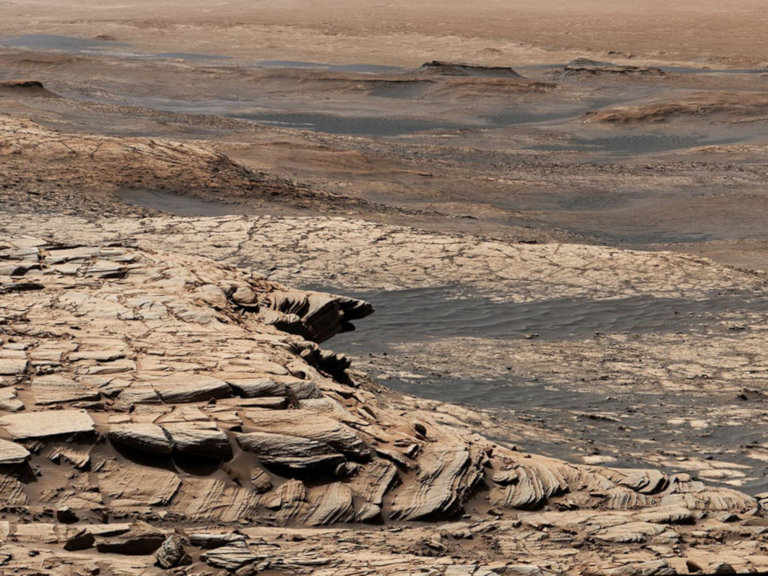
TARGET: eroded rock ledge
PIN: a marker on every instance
(154, 409)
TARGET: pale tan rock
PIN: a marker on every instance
(306, 424)
(370, 485)
(334, 504)
(141, 540)
(634, 532)
(354, 445)
(293, 452)
(190, 388)
(8, 400)
(141, 436)
(54, 389)
(12, 490)
(255, 387)
(12, 453)
(214, 500)
(199, 438)
(667, 515)
(138, 487)
(12, 366)
(447, 474)
(47, 423)
(230, 557)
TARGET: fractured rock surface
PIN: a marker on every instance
(165, 434)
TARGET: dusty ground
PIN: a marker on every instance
(576, 247)
(407, 33)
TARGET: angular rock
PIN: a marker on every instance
(54, 389)
(209, 541)
(256, 387)
(292, 452)
(370, 486)
(171, 553)
(289, 500)
(190, 388)
(82, 540)
(446, 476)
(12, 491)
(652, 568)
(132, 487)
(12, 453)
(47, 423)
(310, 425)
(230, 557)
(9, 401)
(529, 485)
(260, 481)
(140, 540)
(143, 437)
(667, 515)
(333, 505)
(211, 499)
(66, 515)
(313, 315)
(202, 438)
(12, 366)
(631, 532)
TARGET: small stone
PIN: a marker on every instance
(172, 554)
(80, 541)
(721, 568)
(65, 515)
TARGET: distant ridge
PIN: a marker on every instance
(24, 87)
(437, 67)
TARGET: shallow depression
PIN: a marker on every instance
(417, 314)
(405, 318)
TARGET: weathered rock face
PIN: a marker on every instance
(157, 392)
(436, 67)
(585, 66)
(313, 315)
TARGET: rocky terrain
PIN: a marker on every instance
(163, 409)
(355, 288)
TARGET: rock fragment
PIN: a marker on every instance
(141, 436)
(82, 540)
(12, 453)
(295, 453)
(171, 553)
(140, 540)
(47, 423)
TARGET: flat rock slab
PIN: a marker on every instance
(256, 387)
(144, 437)
(12, 453)
(133, 487)
(9, 401)
(290, 451)
(137, 542)
(47, 423)
(191, 388)
(55, 390)
(201, 438)
(12, 366)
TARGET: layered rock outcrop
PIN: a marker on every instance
(149, 392)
